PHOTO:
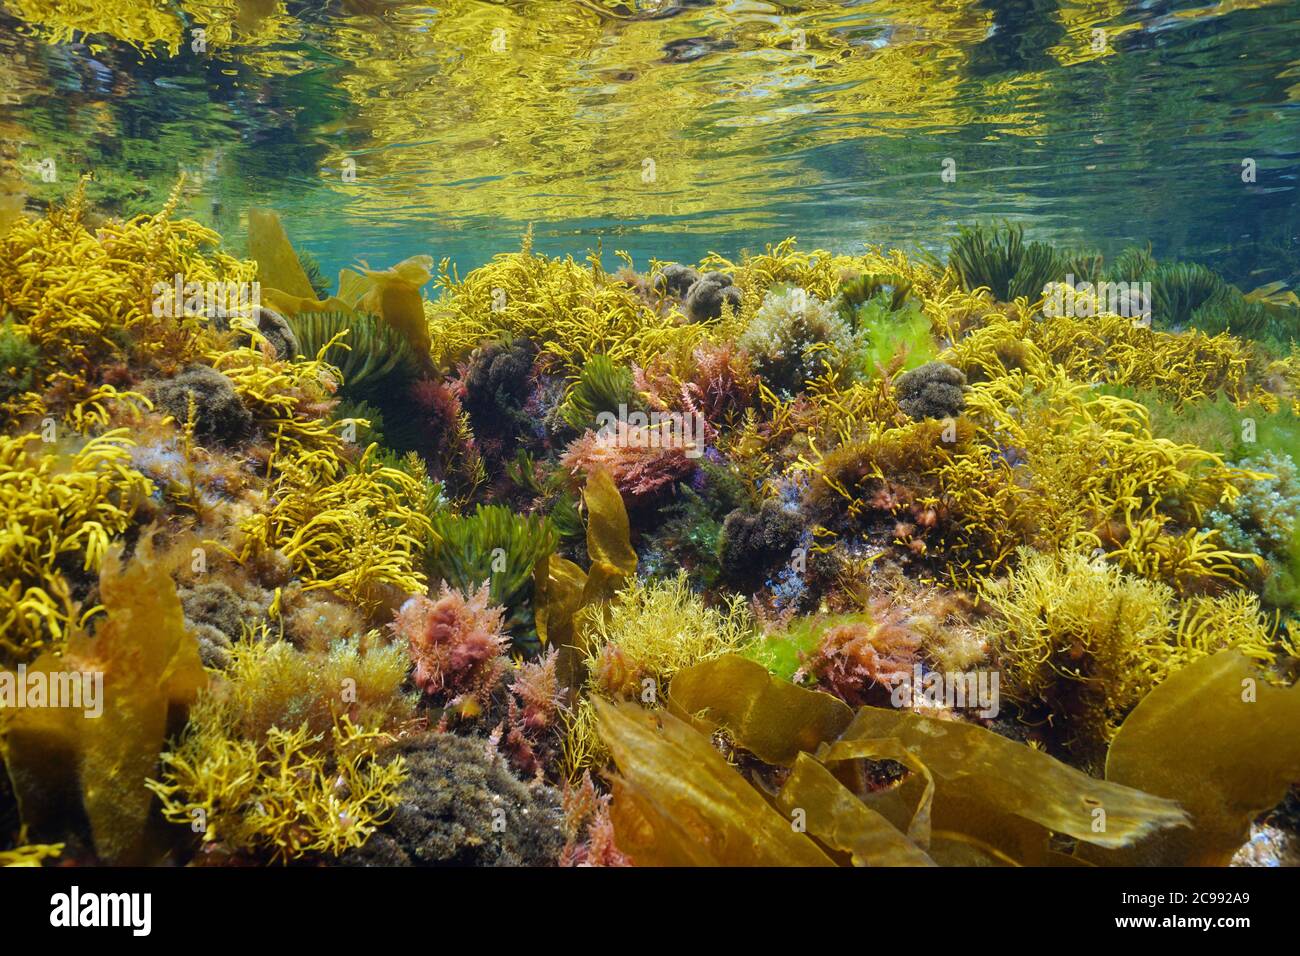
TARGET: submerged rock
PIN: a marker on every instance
(752, 544)
(217, 613)
(272, 325)
(461, 806)
(1268, 846)
(707, 294)
(218, 412)
(676, 279)
(934, 390)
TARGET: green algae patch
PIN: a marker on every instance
(151, 674)
(1221, 740)
(782, 652)
(836, 817)
(677, 802)
(771, 718)
(996, 774)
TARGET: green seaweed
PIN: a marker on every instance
(493, 545)
(894, 340)
(602, 387)
(366, 352)
(999, 259)
(18, 359)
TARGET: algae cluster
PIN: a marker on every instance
(638, 581)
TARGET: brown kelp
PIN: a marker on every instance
(833, 559)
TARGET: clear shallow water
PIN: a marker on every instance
(468, 121)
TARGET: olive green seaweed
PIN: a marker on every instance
(1222, 740)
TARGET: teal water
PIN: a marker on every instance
(831, 122)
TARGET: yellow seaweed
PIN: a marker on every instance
(1221, 740)
(678, 803)
(839, 819)
(57, 507)
(394, 294)
(151, 672)
(608, 533)
(978, 765)
(558, 586)
(771, 718)
(29, 855)
(278, 267)
(570, 311)
(562, 588)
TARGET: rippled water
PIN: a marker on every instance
(673, 129)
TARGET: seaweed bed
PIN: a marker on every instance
(797, 559)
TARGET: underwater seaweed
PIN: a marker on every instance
(602, 386)
(493, 546)
(356, 529)
(661, 628)
(999, 259)
(709, 294)
(281, 797)
(205, 399)
(69, 500)
(852, 655)
(149, 673)
(896, 339)
(896, 471)
(571, 312)
(1179, 289)
(971, 796)
(1198, 719)
(278, 759)
(456, 642)
(86, 300)
(793, 335)
(637, 642)
(644, 460)
(1084, 641)
(18, 359)
(366, 352)
(751, 544)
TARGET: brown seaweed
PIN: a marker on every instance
(1224, 742)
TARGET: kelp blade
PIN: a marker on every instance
(834, 815)
(1222, 741)
(978, 765)
(677, 802)
(771, 718)
(278, 267)
(151, 672)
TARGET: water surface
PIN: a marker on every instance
(381, 130)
